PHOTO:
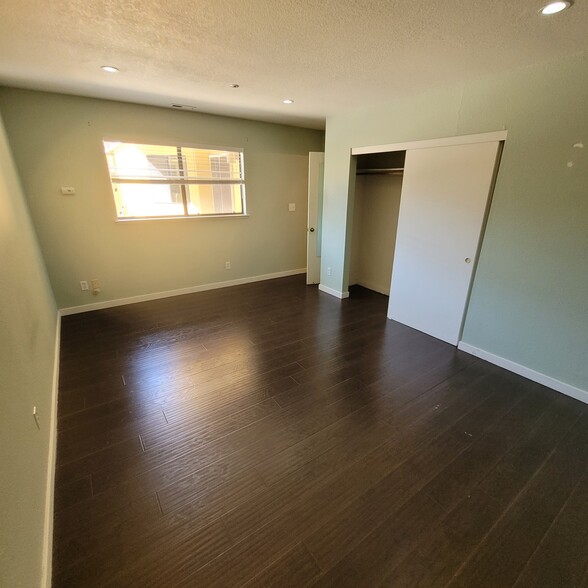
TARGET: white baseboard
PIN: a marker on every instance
(179, 292)
(50, 490)
(526, 372)
(332, 292)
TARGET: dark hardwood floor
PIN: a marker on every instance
(271, 435)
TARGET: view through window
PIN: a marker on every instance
(162, 181)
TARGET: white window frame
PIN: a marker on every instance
(185, 182)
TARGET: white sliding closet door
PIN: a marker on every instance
(445, 193)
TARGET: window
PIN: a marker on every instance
(159, 181)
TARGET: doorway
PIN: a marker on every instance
(316, 167)
(378, 186)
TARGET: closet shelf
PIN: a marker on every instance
(395, 171)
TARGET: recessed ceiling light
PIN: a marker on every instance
(109, 68)
(288, 101)
(554, 7)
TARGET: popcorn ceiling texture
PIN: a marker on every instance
(329, 56)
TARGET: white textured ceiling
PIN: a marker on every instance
(329, 56)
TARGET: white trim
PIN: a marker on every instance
(140, 219)
(332, 292)
(179, 292)
(173, 144)
(526, 372)
(46, 568)
(428, 143)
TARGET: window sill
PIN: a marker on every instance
(181, 218)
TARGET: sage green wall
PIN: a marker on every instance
(28, 321)
(57, 141)
(530, 296)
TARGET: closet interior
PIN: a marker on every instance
(378, 185)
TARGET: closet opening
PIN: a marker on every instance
(421, 249)
(378, 185)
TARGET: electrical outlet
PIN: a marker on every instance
(328, 271)
(227, 265)
(84, 285)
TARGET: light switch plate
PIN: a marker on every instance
(292, 207)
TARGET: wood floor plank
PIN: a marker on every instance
(313, 476)
(341, 535)
(87, 464)
(294, 569)
(486, 451)
(504, 552)
(562, 556)
(293, 521)
(106, 508)
(241, 562)
(269, 434)
(436, 559)
(110, 537)
(72, 492)
(204, 444)
(165, 559)
(385, 546)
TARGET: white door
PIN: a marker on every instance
(316, 165)
(445, 194)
